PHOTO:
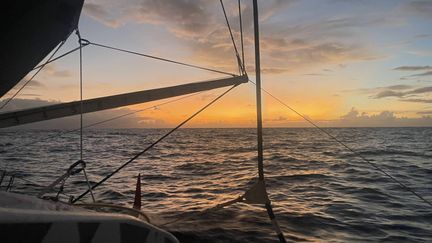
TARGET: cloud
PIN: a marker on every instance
(383, 119)
(399, 87)
(413, 68)
(353, 118)
(424, 113)
(356, 118)
(406, 93)
(427, 101)
(331, 52)
(35, 83)
(200, 24)
(314, 74)
(30, 85)
(421, 90)
(100, 13)
(421, 53)
(182, 17)
(391, 93)
(428, 73)
(388, 93)
(277, 119)
(392, 88)
(53, 71)
(420, 8)
(428, 70)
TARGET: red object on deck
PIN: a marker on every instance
(137, 201)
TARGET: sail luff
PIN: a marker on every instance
(103, 103)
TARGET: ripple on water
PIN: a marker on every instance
(320, 192)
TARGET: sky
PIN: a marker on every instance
(339, 62)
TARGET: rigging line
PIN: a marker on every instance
(241, 36)
(30, 182)
(349, 148)
(81, 41)
(162, 59)
(107, 120)
(239, 62)
(62, 55)
(155, 143)
(81, 92)
(33, 76)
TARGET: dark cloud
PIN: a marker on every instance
(427, 101)
(191, 17)
(201, 25)
(388, 93)
(421, 8)
(312, 54)
(391, 93)
(406, 93)
(399, 87)
(270, 70)
(413, 68)
(428, 73)
(314, 74)
(421, 90)
(381, 89)
(428, 70)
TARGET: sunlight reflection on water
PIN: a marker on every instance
(320, 191)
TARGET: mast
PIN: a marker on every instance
(258, 92)
(259, 125)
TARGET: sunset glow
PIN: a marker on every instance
(326, 59)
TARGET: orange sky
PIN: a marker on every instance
(370, 61)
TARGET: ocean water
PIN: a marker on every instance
(320, 191)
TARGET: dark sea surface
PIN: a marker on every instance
(320, 191)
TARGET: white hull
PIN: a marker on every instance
(29, 219)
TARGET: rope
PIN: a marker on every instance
(88, 185)
(28, 181)
(62, 55)
(239, 62)
(162, 59)
(32, 183)
(81, 41)
(403, 186)
(81, 92)
(154, 143)
(241, 36)
(33, 76)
